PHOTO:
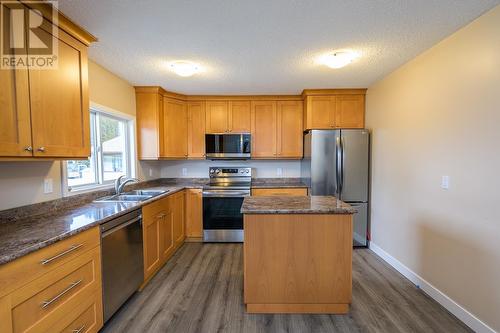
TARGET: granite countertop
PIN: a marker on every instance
(295, 205)
(277, 183)
(26, 229)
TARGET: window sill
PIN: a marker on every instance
(68, 192)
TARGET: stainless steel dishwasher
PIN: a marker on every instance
(122, 260)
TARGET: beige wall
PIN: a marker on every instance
(21, 183)
(440, 115)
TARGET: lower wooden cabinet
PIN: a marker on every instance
(279, 191)
(66, 297)
(163, 231)
(194, 214)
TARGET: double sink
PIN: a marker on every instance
(132, 196)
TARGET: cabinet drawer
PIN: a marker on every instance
(49, 299)
(279, 191)
(151, 210)
(88, 320)
(23, 270)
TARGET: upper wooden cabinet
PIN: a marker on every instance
(175, 129)
(45, 112)
(167, 126)
(227, 116)
(196, 130)
(334, 108)
(277, 129)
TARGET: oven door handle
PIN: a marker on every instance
(226, 194)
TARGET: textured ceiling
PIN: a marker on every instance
(264, 46)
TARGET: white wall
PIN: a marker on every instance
(199, 169)
(440, 115)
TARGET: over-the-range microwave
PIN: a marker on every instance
(227, 146)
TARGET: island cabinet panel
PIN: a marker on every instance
(313, 275)
(264, 128)
(217, 116)
(196, 130)
(59, 102)
(194, 213)
(239, 117)
(175, 129)
(289, 129)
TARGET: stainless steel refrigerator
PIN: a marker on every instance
(336, 162)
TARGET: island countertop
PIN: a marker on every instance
(295, 205)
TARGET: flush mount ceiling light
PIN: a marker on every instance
(338, 59)
(184, 68)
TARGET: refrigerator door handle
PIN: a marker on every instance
(338, 173)
(342, 164)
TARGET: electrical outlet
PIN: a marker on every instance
(445, 182)
(279, 172)
(48, 185)
(184, 171)
(150, 172)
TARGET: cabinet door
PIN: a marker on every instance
(350, 111)
(264, 121)
(60, 103)
(239, 117)
(149, 108)
(175, 132)
(216, 116)
(194, 213)
(166, 235)
(151, 236)
(178, 216)
(320, 112)
(15, 128)
(290, 133)
(196, 130)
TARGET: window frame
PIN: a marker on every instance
(96, 111)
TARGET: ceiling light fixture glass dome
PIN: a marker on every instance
(339, 59)
(184, 68)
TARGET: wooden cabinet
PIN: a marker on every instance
(334, 108)
(264, 126)
(149, 108)
(196, 130)
(163, 231)
(177, 200)
(64, 293)
(277, 129)
(175, 125)
(217, 116)
(289, 129)
(45, 112)
(299, 191)
(194, 213)
(228, 117)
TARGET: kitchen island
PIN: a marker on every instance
(297, 254)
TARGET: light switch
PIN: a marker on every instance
(48, 185)
(184, 171)
(445, 182)
(279, 171)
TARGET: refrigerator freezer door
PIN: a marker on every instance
(323, 162)
(360, 225)
(355, 165)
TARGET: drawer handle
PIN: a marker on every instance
(61, 294)
(71, 249)
(78, 330)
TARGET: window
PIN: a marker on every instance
(110, 153)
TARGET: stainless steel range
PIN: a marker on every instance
(222, 200)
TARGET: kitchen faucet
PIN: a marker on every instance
(119, 184)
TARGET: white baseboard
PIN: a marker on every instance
(465, 316)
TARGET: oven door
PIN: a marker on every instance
(222, 217)
(227, 146)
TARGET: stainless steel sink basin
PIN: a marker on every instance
(145, 192)
(132, 196)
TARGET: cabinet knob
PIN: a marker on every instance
(41, 149)
(28, 148)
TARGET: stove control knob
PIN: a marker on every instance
(217, 171)
(212, 170)
(246, 171)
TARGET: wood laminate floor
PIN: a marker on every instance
(201, 290)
